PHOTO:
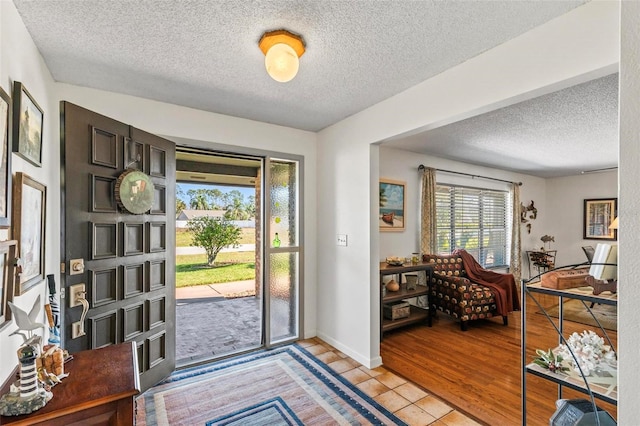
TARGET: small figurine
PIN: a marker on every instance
(26, 322)
(28, 395)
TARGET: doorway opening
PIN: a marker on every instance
(219, 297)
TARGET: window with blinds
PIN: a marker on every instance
(473, 219)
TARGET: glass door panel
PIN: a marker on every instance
(283, 259)
(283, 290)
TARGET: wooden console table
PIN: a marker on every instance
(100, 390)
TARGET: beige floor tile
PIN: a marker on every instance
(328, 357)
(373, 372)
(434, 406)
(356, 376)
(372, 387)
(415, 416)
(340, 354)
(317, 349)
(307, 342)
(456, 418)
(411, 392)
(391, 401)
(390, 380)
(341, 365)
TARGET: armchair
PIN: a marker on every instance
(460, 287)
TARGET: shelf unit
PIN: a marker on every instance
(603, 386)
(416, 314)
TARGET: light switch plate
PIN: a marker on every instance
(342, 239)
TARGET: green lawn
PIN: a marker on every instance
(183, 237)
(192, 270)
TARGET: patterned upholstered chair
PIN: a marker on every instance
(453, 293)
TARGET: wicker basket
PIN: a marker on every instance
(396, 310)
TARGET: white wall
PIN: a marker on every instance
(403, 165)
(21, 61)
(565, 204)
(559, 201)
(629, 213)
(578, 46)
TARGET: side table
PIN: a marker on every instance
(416, 314)
(100, 390)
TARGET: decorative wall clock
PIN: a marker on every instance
(134, 191)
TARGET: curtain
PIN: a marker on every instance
(515, 265)
(428, 212)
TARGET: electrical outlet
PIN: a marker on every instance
(342, 239)
(76, 292)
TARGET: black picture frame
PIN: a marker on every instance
(28, 121)
(6, 114)
(8, 253)
(29, 213)
(599, 213)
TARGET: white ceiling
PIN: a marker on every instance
(560, 134)
(204, 54)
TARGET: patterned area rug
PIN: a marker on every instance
(283, 386)
(575, 311)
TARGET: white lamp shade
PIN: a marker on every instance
(281, 62)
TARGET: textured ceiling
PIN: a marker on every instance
(559, 134)
(204, 54)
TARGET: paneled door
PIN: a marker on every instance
(118, 239)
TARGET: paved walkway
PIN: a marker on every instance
(215, 290)
(208, 324)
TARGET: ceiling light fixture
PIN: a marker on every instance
(282, 51)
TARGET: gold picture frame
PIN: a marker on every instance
(29, 213)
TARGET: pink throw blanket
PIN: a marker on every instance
(503, 285)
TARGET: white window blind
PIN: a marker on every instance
(473, 219)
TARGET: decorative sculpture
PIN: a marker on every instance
(27, 395)
(26, 322)
(523, 214)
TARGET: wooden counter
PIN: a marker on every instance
(100, 390)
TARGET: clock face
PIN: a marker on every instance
(134, 191)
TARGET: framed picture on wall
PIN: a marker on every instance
(392, 205)
(599, 214)
(27, 125)
(7, 280)
(5, 159)
(29, 203)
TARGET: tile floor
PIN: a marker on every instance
(404, 399)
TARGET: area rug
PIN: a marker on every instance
(283, 386)
(575, 311)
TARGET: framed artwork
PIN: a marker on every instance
(7, 279)
(27, 125)
(29, 203)
(392, 205)
(5, 159)
(598, 215)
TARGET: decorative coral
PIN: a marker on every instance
(589, 350)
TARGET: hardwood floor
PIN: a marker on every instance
(479, 371)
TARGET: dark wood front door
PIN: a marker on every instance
(126, 261)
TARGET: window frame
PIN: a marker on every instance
(480, 252)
